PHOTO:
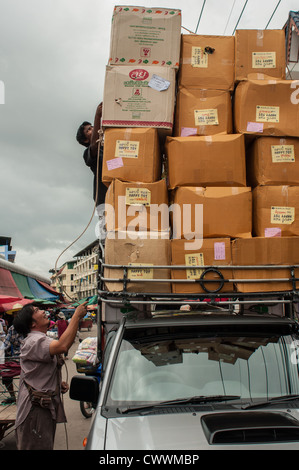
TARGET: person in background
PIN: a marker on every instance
(3, 323)
(62, 325)
(11, 367)
(39, 404)
(52, 323)
(88, 136)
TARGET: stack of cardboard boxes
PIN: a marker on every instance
(139, 99)
(265, 111)
(233, 199)
(206, 162)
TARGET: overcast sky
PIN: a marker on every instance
(53, 55)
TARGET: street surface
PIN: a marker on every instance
(71, 435)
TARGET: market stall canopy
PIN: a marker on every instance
(36, 290)
(93, 300)
(90, 301)
(22, 283)
(18, 283)
(40, 292)
(42, 303)
(79, 302)
(65, 305)
(7, 298)
(8, 285)
(48, 288)
(10, 307)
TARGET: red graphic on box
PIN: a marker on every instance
(145, 52)
(139, 74)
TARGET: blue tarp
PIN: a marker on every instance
(39, 291)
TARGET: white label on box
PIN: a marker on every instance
(194, 259)
(206, 117)
(158, 83)
(138, 196)
(127, 149)
(219, 251)
(282, 153)
(199, 58)
(267, 113)
(140, 273)
(263, 60)
(282, 215)
(115, 163)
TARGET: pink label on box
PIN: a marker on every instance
(255, 126)
(185, 131)
(115, 163)
(219, 251)
(272, 232)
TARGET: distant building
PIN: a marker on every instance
(77, 279)
(6, 249)
(64, 280)
(86, 269)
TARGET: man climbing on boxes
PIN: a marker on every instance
(90, 137)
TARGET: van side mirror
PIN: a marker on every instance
(84, 388)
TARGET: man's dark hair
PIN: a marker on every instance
(23, 319)
(81, 137)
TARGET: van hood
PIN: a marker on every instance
(213, 431)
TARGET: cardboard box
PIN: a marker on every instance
(145, 36)
(213, 252)
(139, 97)
(217, 160)
(273, 161)
(138, 250)
(207, 62)
(137, 206)
(131, 154)
(265, 251)
(276, 211)
(203, 112)
(212, 212)
(260, 52)
(267, 107)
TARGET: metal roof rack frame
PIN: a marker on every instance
(210, 290)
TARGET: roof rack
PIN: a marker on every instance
(212, 292)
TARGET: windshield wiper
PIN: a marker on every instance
(271, 401)
(179, 401)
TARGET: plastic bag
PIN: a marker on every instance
(86, 353)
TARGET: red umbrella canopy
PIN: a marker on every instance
(7, 298)
(10, 307)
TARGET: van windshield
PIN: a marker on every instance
(174, 364)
